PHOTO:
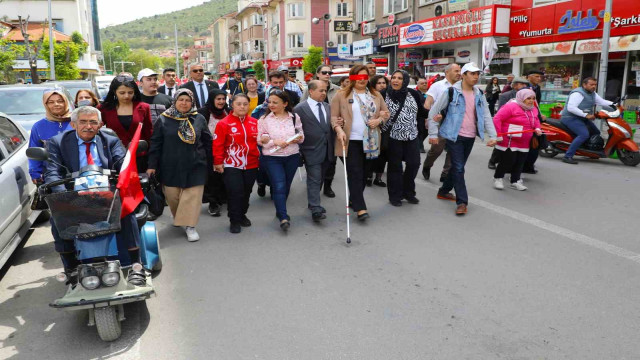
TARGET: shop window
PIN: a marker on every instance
(562, 74)
(295, 10)
(342, 10)
(449, 52)
(395, 6)
(437, 53)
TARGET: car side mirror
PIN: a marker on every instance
(38, 154)
(143, 146)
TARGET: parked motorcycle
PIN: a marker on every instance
(89, 215)
(620, 140)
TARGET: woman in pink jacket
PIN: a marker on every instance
(520, 117)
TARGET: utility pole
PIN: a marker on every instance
(175, 29)
(52, 65)
(604, 54)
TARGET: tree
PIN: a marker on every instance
(258, 67)
(115, 51)
(77, 39)
(312, 60)
(65, 57)
(9, 52)
(142, 59)
(32, 49)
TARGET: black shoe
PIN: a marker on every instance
(328, 192)
(369, 182)
(284, 225)
(412, 200)
(569, 160)
(491, 165)
(262, 190)
(443, 177)
(151, 216)
(245, 222)
(235, 228)
(379, 182)
(426, 172)
(396, 202)
(317, 216)
(363, 217)
(214, 209)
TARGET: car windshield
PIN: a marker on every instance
(22, 102)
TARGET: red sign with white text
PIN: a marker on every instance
(571, 20)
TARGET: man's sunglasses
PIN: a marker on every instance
(197, 70)
(326, 72)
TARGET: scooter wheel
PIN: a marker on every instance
(629, 158)
(548, 152)
(107, 323)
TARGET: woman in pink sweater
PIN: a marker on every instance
(520, 117)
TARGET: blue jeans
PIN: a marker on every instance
(459, 151)
(281, 171)
(583, 128)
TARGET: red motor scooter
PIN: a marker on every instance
(620, 139)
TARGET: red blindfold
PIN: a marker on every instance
(358, 77)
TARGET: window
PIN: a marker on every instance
(394, 6)
(245, 23)
(295, 41)
(425, 2)
(239, 26)
(295, 10)
(537, 3)
(247, 47)
(343, 39)
(368, 10)
(258, 46)
(10, 136)
(256, 19)
(342, 10)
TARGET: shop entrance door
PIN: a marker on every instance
(615, 74)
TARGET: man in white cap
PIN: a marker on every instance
(157, 102)
(467, 116)
(290, 85)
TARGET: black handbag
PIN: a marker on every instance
(155, 197)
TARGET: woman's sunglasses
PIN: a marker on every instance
(326, 72)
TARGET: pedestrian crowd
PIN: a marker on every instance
(211, 144)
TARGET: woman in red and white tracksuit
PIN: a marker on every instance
(235, 155)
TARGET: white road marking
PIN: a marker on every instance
(48, 328)
(558, 230)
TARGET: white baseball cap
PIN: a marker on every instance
(469, 67)
(146, 72)
(283, 68)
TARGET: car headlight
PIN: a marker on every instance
(111, 274)
(89, 277)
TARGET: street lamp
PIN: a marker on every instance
(324, 19)
(52, 65)
(110, 61)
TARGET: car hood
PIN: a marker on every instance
(27, 121)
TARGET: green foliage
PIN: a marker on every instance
(156, 32)
(65, 57)
(115, 51)
(77, 39)
(258, 67)
(142, 59)
(312, 60)
(9, 52)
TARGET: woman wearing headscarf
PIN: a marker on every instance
(215, 109)
(123, 110)
(515, 123)
(406, 106)
(180, 151)
(56, 121)
(363, 111)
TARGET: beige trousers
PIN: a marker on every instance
(185, 204)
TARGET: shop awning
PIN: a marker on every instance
(550, 49)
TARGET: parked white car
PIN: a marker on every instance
(16, 188)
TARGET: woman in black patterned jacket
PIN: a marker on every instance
(406, 106)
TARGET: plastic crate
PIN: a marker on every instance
(630, 117)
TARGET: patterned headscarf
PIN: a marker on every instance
(45, 97)
(397, 95)
(186, 132)
(522, 95)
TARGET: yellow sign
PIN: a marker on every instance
(607, 17)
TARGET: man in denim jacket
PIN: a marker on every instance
(467, 116)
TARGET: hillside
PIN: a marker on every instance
(156, 32)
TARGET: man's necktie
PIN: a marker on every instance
(202, 99)
(87, 146)
(320, 113)
(170, 91)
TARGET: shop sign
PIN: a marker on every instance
(299, 52)
(458, 5)
(380, 61)
(388, 35)
(464, 25)
(344, 52)
(464, 54)
(363, 47)
(340, 25)
(438, 61)
(275, 56)
(571, 21)
(413, 56)
(616, 44)
(391, 19)
(635, 66)
(551, 49)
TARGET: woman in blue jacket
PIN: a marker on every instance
(56, 121)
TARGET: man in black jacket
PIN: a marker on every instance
(234, 85)
(170, 86)
(198, 85)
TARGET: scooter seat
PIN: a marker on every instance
(561, 126)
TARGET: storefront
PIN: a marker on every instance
(387, 39)
(564, 40)
(456, 37)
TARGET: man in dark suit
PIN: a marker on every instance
(234, 85)
(71, 151)
(198, 85)
(317, 148)
(170, 86)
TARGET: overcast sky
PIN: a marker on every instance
(113, 12)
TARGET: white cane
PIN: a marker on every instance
(346, 190)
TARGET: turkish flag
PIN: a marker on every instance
(128, 181)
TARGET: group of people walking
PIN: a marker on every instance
(211, 145)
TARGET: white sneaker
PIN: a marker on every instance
(192, 234)
(518, 185)
(498, 184)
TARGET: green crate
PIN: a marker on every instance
(629, 116)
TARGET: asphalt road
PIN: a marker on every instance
(549, 273)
